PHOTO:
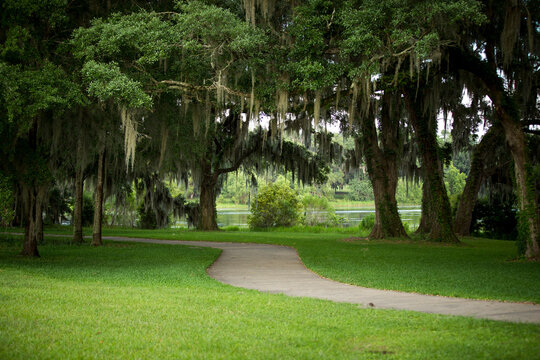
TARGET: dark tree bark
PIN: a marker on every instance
(528, 217)
(425, 220)
(478, 173)
(77, 207)
(39, 223)
(441, 215)
(209, 181)
(382, 169)
(98, 210)
(508, 116)
(35, 196)
(208, 201)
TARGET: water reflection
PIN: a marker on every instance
(352, 216)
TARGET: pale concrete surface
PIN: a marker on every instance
(278, 269)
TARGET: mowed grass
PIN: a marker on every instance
(142, 301)
(477, 269)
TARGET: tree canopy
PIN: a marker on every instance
(199, 89)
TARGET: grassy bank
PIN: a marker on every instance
(156, 301)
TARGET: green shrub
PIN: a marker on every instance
(361, 190)
(7, 201)
(231, 228)
(318, 211)
(87, 210)
(367, 222)
(494, 219)
(276, 204)
(147, 217)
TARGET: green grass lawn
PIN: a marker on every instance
(141, 301)
(478, 269)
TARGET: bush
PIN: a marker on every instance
(147, 217)
(231, 228)
(87, 210)
(7, 201)
(495, 219)
(275, 205)
(361, 190)
(318, 211)
(367, 222)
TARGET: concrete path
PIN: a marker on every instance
(278, 269)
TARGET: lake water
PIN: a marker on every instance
(352, 216)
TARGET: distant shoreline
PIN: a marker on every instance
(334, 204)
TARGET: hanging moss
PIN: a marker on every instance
(129, 125)
(317, 108)
(509, 35)
(163, 147)
(352, 105)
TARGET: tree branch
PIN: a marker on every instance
(237, 163)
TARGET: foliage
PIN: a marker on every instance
(454, 179)
(409, 192)
(361, 190)
(318, 211)
(236, 189)
(494, 218)
(25, 93)
(462, 161)
(367, 223)
(7, 201)
(106, 81)
(147, 217)
(200, 70)
(58, 207)
(276, 204)
(87, 210)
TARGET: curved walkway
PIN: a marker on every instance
(278, 269)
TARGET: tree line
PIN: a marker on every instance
(123, 93)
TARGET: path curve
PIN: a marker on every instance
(278, 269)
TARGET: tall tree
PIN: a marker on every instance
(506, 71)
(209, 73)
(34, 91)
(406, 40)
(381, 161)
(482, 166)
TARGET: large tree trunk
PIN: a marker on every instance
(477, 174)
(39, 223)
(425, 220)
(98, 209)
(508, 115)
(382, 170)
(441, 220)
(528, 220)
(77, 207)
(208, 200)
(35, 197)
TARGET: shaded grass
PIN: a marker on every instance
(156, 301)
